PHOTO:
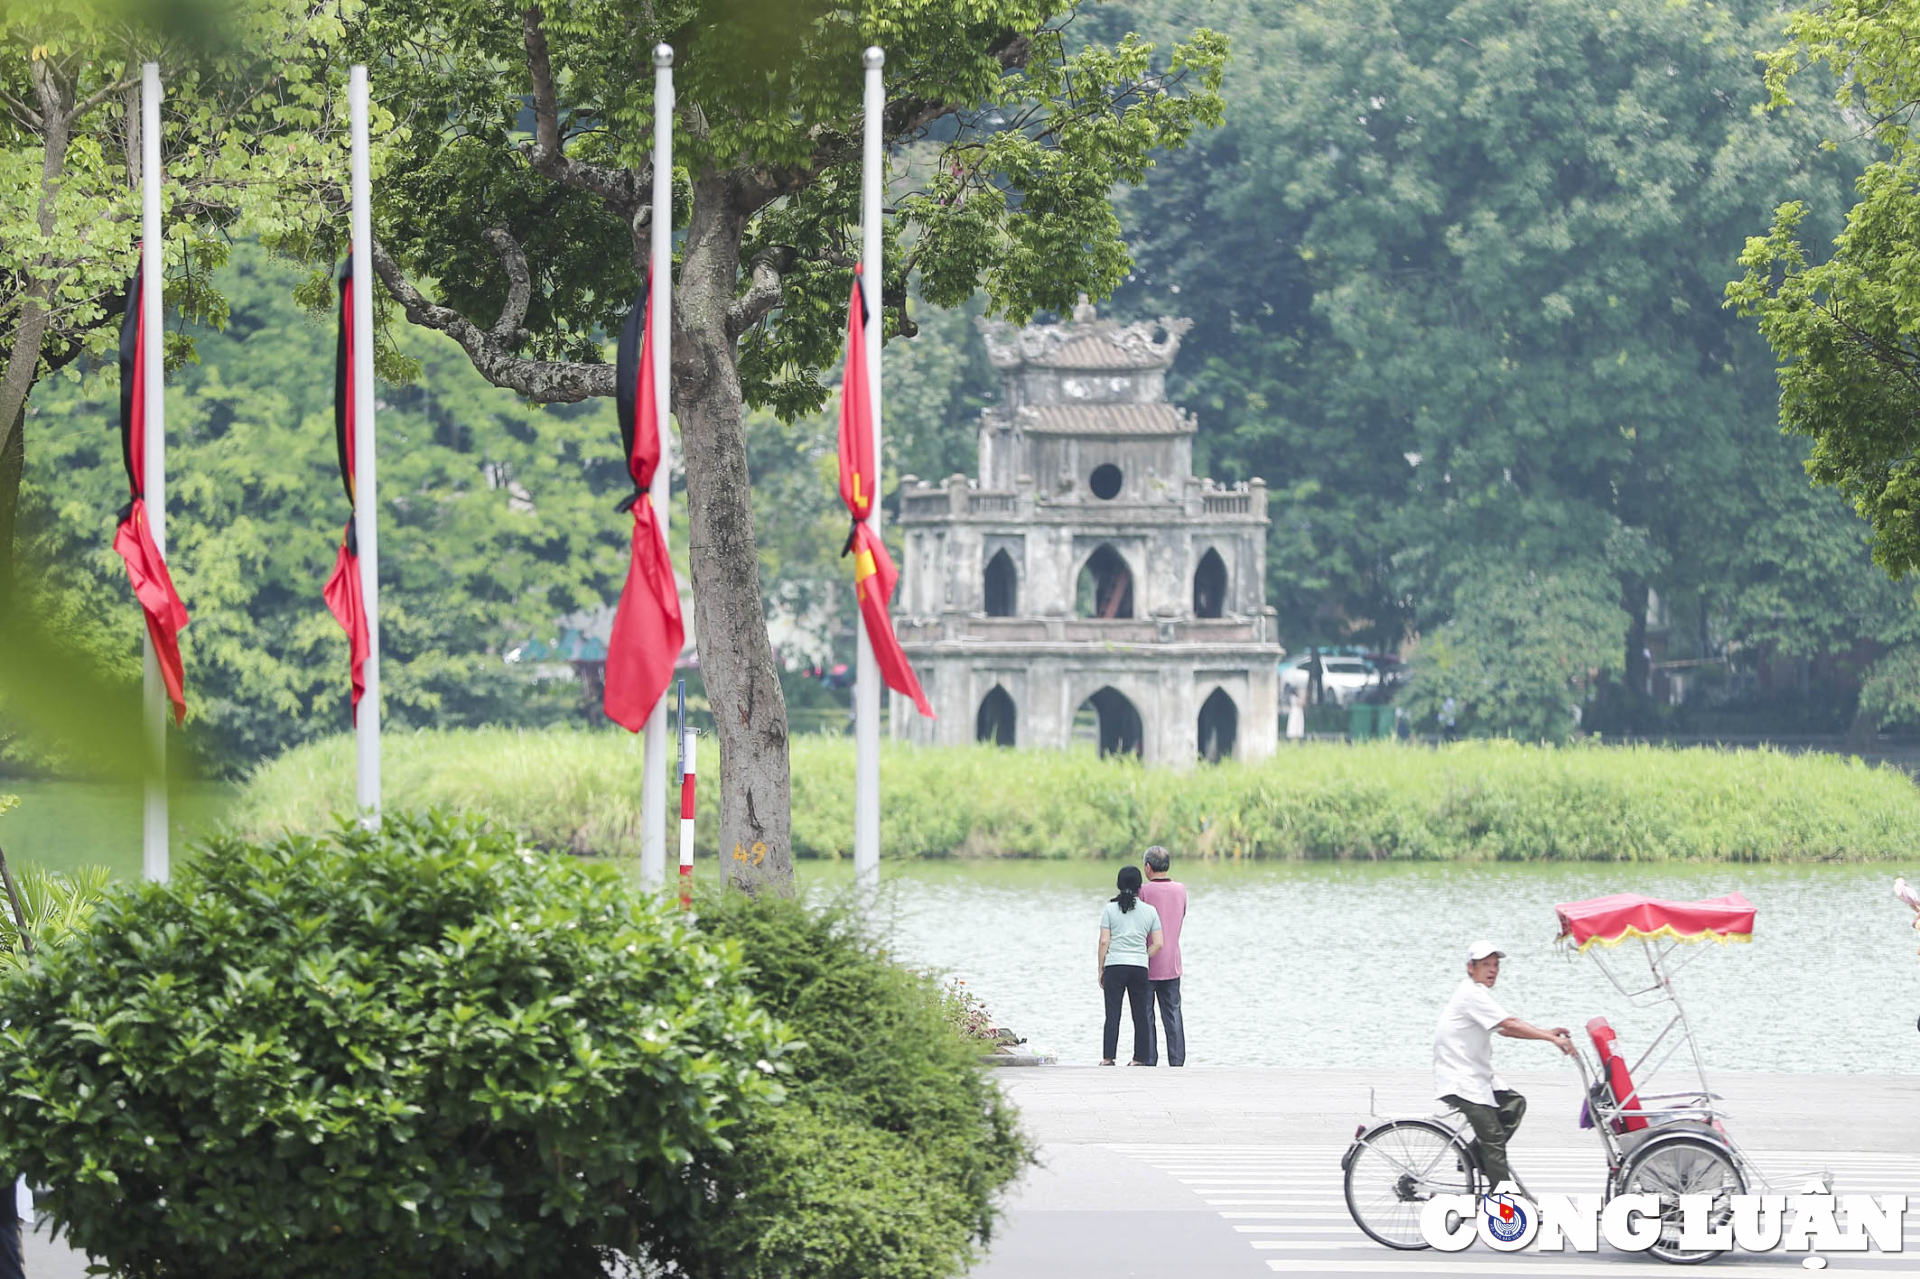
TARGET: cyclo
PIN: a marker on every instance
(1661, 1143)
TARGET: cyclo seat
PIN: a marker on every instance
(1614, 1075)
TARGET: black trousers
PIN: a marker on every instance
(1166, 994)
(12, 1262)
(1492, 1126)
(1129, 980)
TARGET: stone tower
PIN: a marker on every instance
(1087, 569)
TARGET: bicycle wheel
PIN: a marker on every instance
(1683, 1166)
(1395, 1169)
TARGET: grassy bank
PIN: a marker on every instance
(1472, 801)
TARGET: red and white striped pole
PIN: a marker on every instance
(687, 779)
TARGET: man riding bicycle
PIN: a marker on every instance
(1463, 1060)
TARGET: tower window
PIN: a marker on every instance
(1105, 481)
(1219, 726)
(1105, 588)
(994, 724)
(1107, 719)
(1002, 586)
(1210, 586)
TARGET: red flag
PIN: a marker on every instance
(647, 630)
(146, 568)
(342, 591)
(873, 572)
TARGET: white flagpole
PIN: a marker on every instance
(653, 785)
(866, 685)
(155, 858)
(366, 504)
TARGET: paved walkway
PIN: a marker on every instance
(1235, 1174)
(1198, 1173)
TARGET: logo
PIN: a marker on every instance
(1508, 1221)
(1815, 1220)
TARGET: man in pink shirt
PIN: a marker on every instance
(1169, 898)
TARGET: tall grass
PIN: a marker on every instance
(1470, 801)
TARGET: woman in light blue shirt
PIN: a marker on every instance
(1129, 937)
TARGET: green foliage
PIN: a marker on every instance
(426, 1051)
(252, 121)
(887, 1158)
(1456, 272)
(496, 520)
(1017, 202)
(56, 907)
(1890, 693)
(1843, 327)
(1520, 651)
(966, 1015)
(1485, 800)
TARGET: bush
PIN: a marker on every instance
(426, 1052)
(888, 1156)
(1490, 800)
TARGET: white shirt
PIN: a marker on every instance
(1463, 1046)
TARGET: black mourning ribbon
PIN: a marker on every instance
(628, 503)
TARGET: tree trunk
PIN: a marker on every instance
(736, 659)
(13, 467)
(22, 366)
(1638, 665)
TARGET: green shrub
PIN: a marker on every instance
(1489, 800)
(426, 1052)
(56, 907)
(886, 1160)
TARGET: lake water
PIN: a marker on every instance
(1323, 965)
(66, 824)
(1332, 965)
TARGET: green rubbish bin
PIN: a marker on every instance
(1366, 722)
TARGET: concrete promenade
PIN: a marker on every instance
(1198, 1173)
(1214, 1173)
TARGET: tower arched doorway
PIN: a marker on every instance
(1219, 727)
(1105, 586)
(993, 726)
(1109, 720)
(1002, 586)
(1210, 586)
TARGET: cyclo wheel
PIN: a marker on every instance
(1394, 1169)
(1683, 1166)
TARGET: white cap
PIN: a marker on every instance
(1481, 949)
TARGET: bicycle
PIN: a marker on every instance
(1393, 1168)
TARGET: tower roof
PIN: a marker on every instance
(1104, 419)
(1085, 342)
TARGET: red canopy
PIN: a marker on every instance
(1612, 920)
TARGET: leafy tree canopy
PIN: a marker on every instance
(1843, 328)
(516, 213)
(494, 528)
(1519, 652)
(250, 128)
(1456, 271)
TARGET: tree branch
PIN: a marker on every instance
(543, 381)
(620, 188)
(24, 113)
(763, 294)
(98, 96)
(513, 314)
